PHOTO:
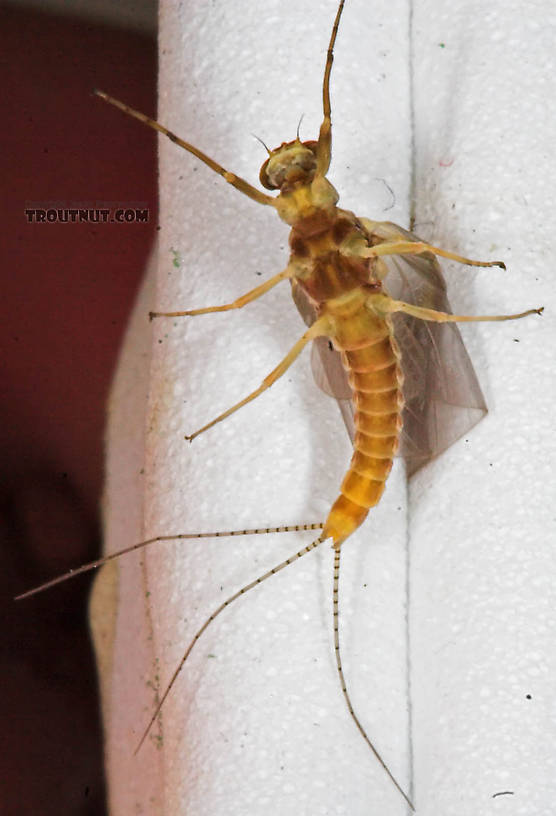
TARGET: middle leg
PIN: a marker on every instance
(249, 297)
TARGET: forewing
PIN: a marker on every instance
(326, 363)
(443, 398)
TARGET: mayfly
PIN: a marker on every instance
(375, 294)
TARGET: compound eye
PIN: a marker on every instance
(263, 177)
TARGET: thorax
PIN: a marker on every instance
(322, 265)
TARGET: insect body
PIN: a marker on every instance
(337, 269)
(339, 273)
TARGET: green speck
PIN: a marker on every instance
(442, 45)
(177, 258)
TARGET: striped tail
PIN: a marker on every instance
(376, 379)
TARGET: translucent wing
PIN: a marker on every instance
(328, 371)
(443, 398)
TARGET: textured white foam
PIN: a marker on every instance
(256, 723)
(483, 564)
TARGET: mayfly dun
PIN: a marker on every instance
(373, 298)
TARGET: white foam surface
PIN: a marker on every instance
(483, 568)
(256, 722)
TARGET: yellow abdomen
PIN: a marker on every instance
(372, 360)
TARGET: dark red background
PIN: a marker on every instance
(67, 290)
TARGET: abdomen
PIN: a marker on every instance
(376, 379)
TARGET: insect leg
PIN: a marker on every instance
(255, 293)
(418, 248)
(384, 304)
(324, 145)
(237, 182)
(319, 327)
